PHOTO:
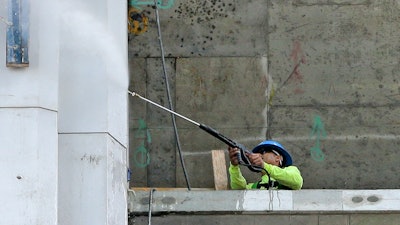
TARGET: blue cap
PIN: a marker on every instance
(274, 145)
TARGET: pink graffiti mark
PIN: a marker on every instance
(298, 58)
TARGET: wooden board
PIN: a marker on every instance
(219, 168)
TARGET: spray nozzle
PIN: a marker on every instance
(132, 93)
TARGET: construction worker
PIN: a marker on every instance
(277, 173)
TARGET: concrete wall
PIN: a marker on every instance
(28, 123)
(93, 113)
(287, 219)
(63, 119)
(321, 77)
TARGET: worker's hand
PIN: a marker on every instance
(233, 153)
(256, 159)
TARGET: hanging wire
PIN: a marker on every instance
(169, 96)
(150, 204)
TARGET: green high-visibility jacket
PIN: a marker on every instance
(287, 177)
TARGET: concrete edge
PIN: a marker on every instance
(264, 201)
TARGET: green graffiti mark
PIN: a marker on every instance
(142, 131)
(141, 156)
(160, 5)
(319, 132)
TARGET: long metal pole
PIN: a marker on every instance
(243, 160)
(160, 106)
(150, 204)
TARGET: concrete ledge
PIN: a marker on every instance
(261, 201)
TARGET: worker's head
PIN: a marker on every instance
(273, 153)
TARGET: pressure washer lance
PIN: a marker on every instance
(242, 157)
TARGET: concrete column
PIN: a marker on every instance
(28, 122)
(93, 129)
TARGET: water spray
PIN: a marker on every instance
(242, 157)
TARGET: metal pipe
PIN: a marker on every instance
(166, 109)
(243, 159)
(150, 204)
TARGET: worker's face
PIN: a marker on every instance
(271, 158)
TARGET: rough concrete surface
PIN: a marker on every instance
(321, 77)
(314, 207)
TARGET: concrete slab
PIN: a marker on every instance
(321, 200)
(371, 200)
(265, 202)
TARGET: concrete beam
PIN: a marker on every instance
(263, 201)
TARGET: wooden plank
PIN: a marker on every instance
(219, 168)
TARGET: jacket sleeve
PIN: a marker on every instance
(236, 177)
(289, 176)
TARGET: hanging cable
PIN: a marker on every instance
(169, 95)
(150, 204)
